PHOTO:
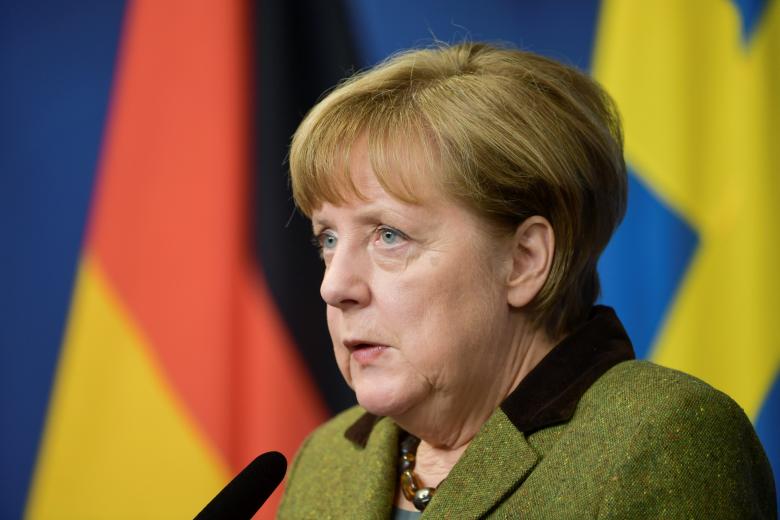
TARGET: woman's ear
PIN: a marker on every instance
(532, 255)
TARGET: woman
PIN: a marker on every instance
(460, 198)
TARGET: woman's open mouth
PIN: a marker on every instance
(366, 353)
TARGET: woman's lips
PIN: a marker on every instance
(365, 353)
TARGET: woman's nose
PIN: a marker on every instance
(344, 283)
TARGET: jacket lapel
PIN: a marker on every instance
(369, 490)
(495, 463)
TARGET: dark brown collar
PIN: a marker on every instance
(549, 394)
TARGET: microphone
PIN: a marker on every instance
(244, 495)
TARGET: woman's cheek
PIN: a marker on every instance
(340, 352)
(342, 360)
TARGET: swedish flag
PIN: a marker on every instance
(698, 86)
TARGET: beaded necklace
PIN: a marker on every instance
(410, 484)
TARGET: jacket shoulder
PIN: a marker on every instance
(690, 449)
(642, 386)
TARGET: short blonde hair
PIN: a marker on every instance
(508, 133)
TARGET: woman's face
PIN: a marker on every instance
(416, 297)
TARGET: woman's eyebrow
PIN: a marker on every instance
(373, 212)
(318, 224)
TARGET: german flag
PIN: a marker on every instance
(178, 366)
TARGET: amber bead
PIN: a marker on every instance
(409, 484)
(407, 461)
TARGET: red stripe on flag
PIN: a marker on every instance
(169, 226)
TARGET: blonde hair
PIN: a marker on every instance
(508, 133)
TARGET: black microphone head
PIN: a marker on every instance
(244, 495)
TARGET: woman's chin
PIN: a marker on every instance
(383, 403)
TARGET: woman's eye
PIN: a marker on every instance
(390, 236)
(325, 241)
(329, 241)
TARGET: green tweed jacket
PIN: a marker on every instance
(589, 433)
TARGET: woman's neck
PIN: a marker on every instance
(434, 464)
(453, 417)
(447, 431)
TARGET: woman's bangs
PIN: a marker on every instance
(402, 156)
(319, 162)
